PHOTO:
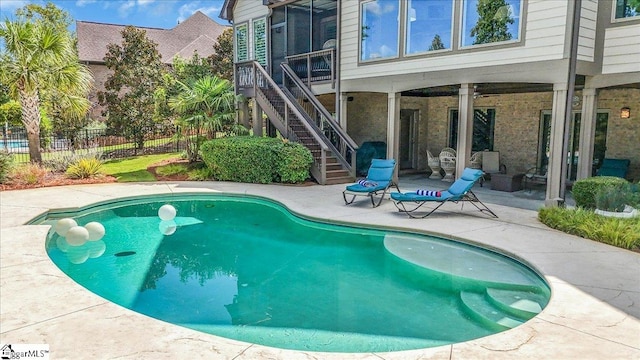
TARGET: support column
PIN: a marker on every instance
(243, 113)
(556, 156)
(587, 132)
(465, 127)
(393, 130)
(257, 118)
(342, 116)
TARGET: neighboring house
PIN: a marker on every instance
(197, 34)
(417, 75)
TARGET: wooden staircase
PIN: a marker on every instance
(302, 119)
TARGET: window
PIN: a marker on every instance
(379, 29)
(428, 24)
(483, 128)
(242, 42)
(627, 9)
(260, 41)
(490, 21)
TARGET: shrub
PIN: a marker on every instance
(6, 163)
(624, 233)
(294, 162)
(242, 159)
(27, 174)
(615, 198)
(584, 190)
(84, 168)
(61, 161)
(256, 160)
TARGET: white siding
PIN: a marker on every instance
(244, 12)
(544, 39)
(621, 50)
(587, 40)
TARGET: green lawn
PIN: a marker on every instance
(135, 169)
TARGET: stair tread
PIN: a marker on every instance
(523, 301)
(490, 315)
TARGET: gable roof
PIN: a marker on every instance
(198, 34)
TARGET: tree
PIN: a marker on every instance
(222, 60)
(208, 103)
(436, 43)
(183, 71)
(66, 110)
(37, 58)
(492, 25)
(129, 90)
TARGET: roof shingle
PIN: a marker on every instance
(198, 34)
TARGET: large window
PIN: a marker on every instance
(627, 8)
(484, 121)
(242, 42)
(379, 29)
(490, 21)
(260, 41)
(428, 24)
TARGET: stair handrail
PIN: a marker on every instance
(257, 88)
(345, 139)
(254, 76)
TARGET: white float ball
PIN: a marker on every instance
(77, 236)
(167, 227)
(63, 225)
(62, 244)
(77, 255)
(96, 230)
(96, 248)
(167, 212)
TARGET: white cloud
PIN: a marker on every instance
(145, 2)
(126, 7)
(12, 5)
(81, 3)
(188, 9)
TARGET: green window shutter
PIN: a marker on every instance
(260, 41)
(242, 42)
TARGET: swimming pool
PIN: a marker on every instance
(245, 268)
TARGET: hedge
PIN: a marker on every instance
(256, 160)
(584, 190)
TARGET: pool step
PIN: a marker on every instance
(521, 304)
(482, 310)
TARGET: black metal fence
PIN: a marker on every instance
(112, 146)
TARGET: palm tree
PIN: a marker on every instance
(207, 104)
(37, 58)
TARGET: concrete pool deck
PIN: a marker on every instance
(594, 311)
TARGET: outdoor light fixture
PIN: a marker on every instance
(625, 113)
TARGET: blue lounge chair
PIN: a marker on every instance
(460, 190)
(379, 180)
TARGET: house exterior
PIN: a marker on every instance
(197, 34)
(549, 84)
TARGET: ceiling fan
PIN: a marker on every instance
(477, 94)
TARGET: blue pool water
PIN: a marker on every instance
(245, 268)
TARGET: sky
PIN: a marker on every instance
(164, 14)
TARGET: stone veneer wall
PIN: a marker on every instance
(516, 128)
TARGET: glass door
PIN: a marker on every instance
(408, 134)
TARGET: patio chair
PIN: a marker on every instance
(378, 181)
(459, 191)
(614, 167)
